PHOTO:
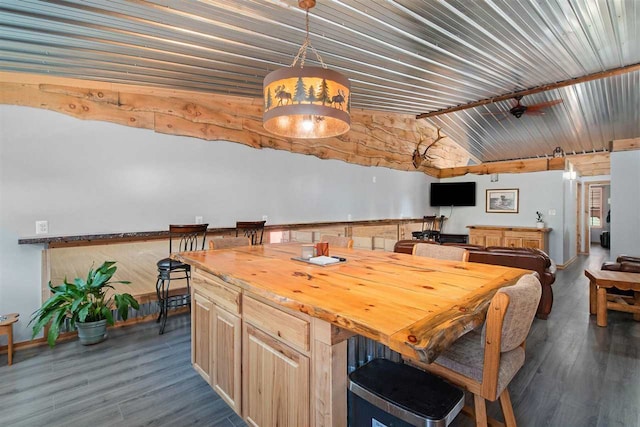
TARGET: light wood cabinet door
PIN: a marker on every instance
(485, 237)
(493, 240)
(275, 381)
(532, 243)
(201, 328)
(513, 237)
(513, 242)
(226, 368)
(475, 239)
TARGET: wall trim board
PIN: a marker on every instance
(68, 336)
(566, 264)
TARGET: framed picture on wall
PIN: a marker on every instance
(502, 201)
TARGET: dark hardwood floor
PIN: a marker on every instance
(576, 374)
(135, 378)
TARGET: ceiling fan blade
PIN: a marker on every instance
(540, 106)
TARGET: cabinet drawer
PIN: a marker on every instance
(497, 233)
(530, 235)
(288, 328)
(213, 288)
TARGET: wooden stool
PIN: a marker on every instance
(6, 328)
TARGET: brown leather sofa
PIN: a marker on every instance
(629, 264)
(526, 258)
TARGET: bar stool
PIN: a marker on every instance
(432, 226)
(6, 328)
(188, 238)
(251, 229)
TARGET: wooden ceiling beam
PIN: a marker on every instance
(625, 144)
(537, 89)
(375, 139)
(510, 166)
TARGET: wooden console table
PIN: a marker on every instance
(516, 237)
(269, 333)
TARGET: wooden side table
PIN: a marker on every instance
(6, 328)
(600, 281)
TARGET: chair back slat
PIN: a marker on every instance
(254, 230)
(188, 237)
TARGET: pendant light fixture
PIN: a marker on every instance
(306, 102)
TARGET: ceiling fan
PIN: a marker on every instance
(534, 110)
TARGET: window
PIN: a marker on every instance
(595, 207)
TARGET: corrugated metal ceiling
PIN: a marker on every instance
(402, 56)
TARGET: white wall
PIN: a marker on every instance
(539, 191)
(88, 177)
(625, 203)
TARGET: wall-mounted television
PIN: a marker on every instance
(453, 194)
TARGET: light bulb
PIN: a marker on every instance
(307, 124)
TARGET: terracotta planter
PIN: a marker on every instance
(92, 332)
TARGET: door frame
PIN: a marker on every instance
(585, 211)
(579, 218)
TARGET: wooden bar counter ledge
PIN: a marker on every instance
(269, 333)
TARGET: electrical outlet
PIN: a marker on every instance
(199, 220)
(374, 180)
(265, 218)
(42, 227)
(552, 212)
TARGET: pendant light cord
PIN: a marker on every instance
(302, 52)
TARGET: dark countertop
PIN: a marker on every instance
(147, 235)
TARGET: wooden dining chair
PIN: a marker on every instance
(434, 250)
(337, 241)
(485, 361)
(228, 242)
(254, 230)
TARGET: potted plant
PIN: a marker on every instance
(85, 304)
(539, 221)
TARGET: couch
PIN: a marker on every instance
(626, 263)
(526, 258)
(630, 264)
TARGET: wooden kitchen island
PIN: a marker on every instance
(269, 333)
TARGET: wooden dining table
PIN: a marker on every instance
(417, 306)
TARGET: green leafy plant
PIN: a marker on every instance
(82, 301)
(538, 216)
